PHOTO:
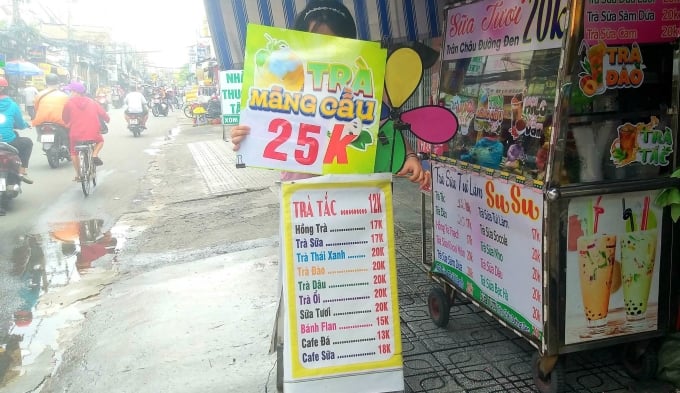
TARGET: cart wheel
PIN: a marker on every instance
(550, 382)
(279, 368)
(640, 360)
(439, 306)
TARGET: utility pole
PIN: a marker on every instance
(16, 15)
(70, 44)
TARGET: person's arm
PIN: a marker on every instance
(19, 122)
(66, 114)
(413, 169)
(102, 114)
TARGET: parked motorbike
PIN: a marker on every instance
(135, 123)
(158, 106)
(55, 143)
(214, 108)
(10, 180)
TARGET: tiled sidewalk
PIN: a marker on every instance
(475, 353)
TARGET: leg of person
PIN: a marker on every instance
(31, 111)
(95, 153)
(25, 147)
(74, 159)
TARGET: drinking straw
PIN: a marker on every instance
(645, 213)
(591, 219)
(628, 214)
(597, 210)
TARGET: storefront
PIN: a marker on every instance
(400, 20)
(546, 205)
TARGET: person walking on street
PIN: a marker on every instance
(12, 119)
(82, 116)
(30, 92)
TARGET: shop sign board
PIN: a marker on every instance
(488, 242)
(312, 101)
(613, 257)
(340, 285)
(494, 27)
(230, 94)
(627, 21)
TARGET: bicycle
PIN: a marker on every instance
(88, 170)
(189, 109)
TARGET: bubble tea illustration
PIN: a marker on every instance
(596, 259)
(638, 254)
(277, 64)
(596, 264)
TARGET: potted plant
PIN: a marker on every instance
(670, 197)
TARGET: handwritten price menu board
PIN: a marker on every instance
(341, 282)
(487, 242)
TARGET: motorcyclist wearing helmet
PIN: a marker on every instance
(49, 104)
(11, 118)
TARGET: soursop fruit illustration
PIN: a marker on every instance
(278, 64)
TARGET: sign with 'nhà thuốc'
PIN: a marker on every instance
(230, 94)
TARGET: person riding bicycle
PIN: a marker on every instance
(136, 104)
(82, 115)
(11, 118)
(49, 104)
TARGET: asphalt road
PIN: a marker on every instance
(54, 198)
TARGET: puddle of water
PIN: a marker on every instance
(156, 145)
(34, 313)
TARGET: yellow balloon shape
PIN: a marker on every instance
(403, 72)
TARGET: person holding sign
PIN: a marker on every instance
(331, 17)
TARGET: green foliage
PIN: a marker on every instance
(670, 197)
(184, 75)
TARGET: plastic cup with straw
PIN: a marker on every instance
(596, 265)
(638, 255)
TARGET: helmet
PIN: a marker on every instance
(77, 87)
(3, 82)
(52, 79)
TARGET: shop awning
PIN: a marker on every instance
(400, 20)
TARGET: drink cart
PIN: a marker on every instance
(545, 209)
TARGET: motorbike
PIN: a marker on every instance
(55, 143)
(103, 101)
(135, 124)
(10, 179)
(158, 106)
(116, 100)
(214, 108)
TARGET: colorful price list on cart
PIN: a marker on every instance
(341, 276)
(487, 242)
(628, 21)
